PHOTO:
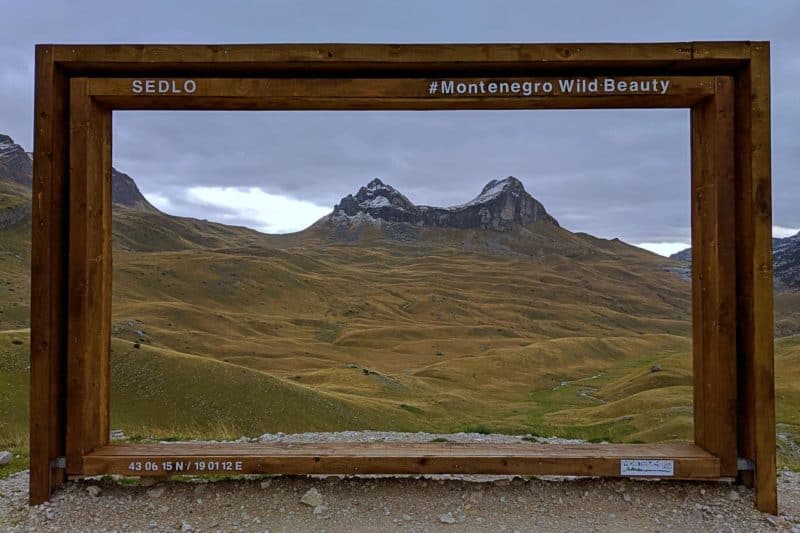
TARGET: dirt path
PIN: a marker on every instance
(469, 503)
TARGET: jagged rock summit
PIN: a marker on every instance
(124, 191)
(500, 206)
(15, 163)
(16, 167)
(785, 261)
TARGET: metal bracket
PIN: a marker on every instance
(744, 464)
(59, 462)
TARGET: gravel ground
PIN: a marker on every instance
(392, 436)
(370, 503)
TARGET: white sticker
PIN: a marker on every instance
(647, 467)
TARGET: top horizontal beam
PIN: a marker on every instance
(195, 58)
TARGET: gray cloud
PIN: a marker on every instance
(611, 173)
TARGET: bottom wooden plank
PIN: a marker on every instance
(686, 460)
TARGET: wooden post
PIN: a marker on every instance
(713, 276)
(48, 277)
(755, 337)
(89, 297)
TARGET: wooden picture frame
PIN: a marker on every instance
(726, 86)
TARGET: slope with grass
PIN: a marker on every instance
(368, 321)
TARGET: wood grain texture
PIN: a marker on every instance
(365, 87)
(699, 214)
(48, 269)
(737, 50)
(321, 93)
(756, 395)
(713, 276)
(359, 60)
(721, 353)
(103, 435)
(744, 272)
(89, 277)
(79, 356)
(691, 462)
(763, 333)
(144, 55)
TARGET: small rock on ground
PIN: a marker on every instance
(312, 498)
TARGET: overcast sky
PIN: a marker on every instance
(610, 173)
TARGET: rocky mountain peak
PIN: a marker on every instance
(15, 163)
(376, 198)
(496, 186)
(785, 262)
(500, 206)
(124, 191)
(376, 183)
(376, 189)
(16, 166)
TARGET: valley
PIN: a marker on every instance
(485, 317)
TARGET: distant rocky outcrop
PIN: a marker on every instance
(15, 163)
(124, 191)
(500, 206)
(683, 255)
(16, 167)
(785, 261)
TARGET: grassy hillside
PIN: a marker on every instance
(462, 339)
(622, 401)
(205, 399)
(538, 331)
(15, 275)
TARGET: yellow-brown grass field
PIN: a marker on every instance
(220, 332)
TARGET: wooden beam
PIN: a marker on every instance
(689, 461)
(744, 272)
(724, 322)
(144, 55)
(762, 354)
(359, 60)
(699, 222)
(48, 277)
(103, 414)
(713, 276)
(737, 50)
(448, 93)
(89, 276)
(756, 397)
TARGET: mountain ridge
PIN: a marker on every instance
(785, 261)
(15, 162)
(16, 166)
(500, 206)
(137, 224)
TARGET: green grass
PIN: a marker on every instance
(14, 399)
(208, 397)
(411, 409)
(17, 444)
(483, 429)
